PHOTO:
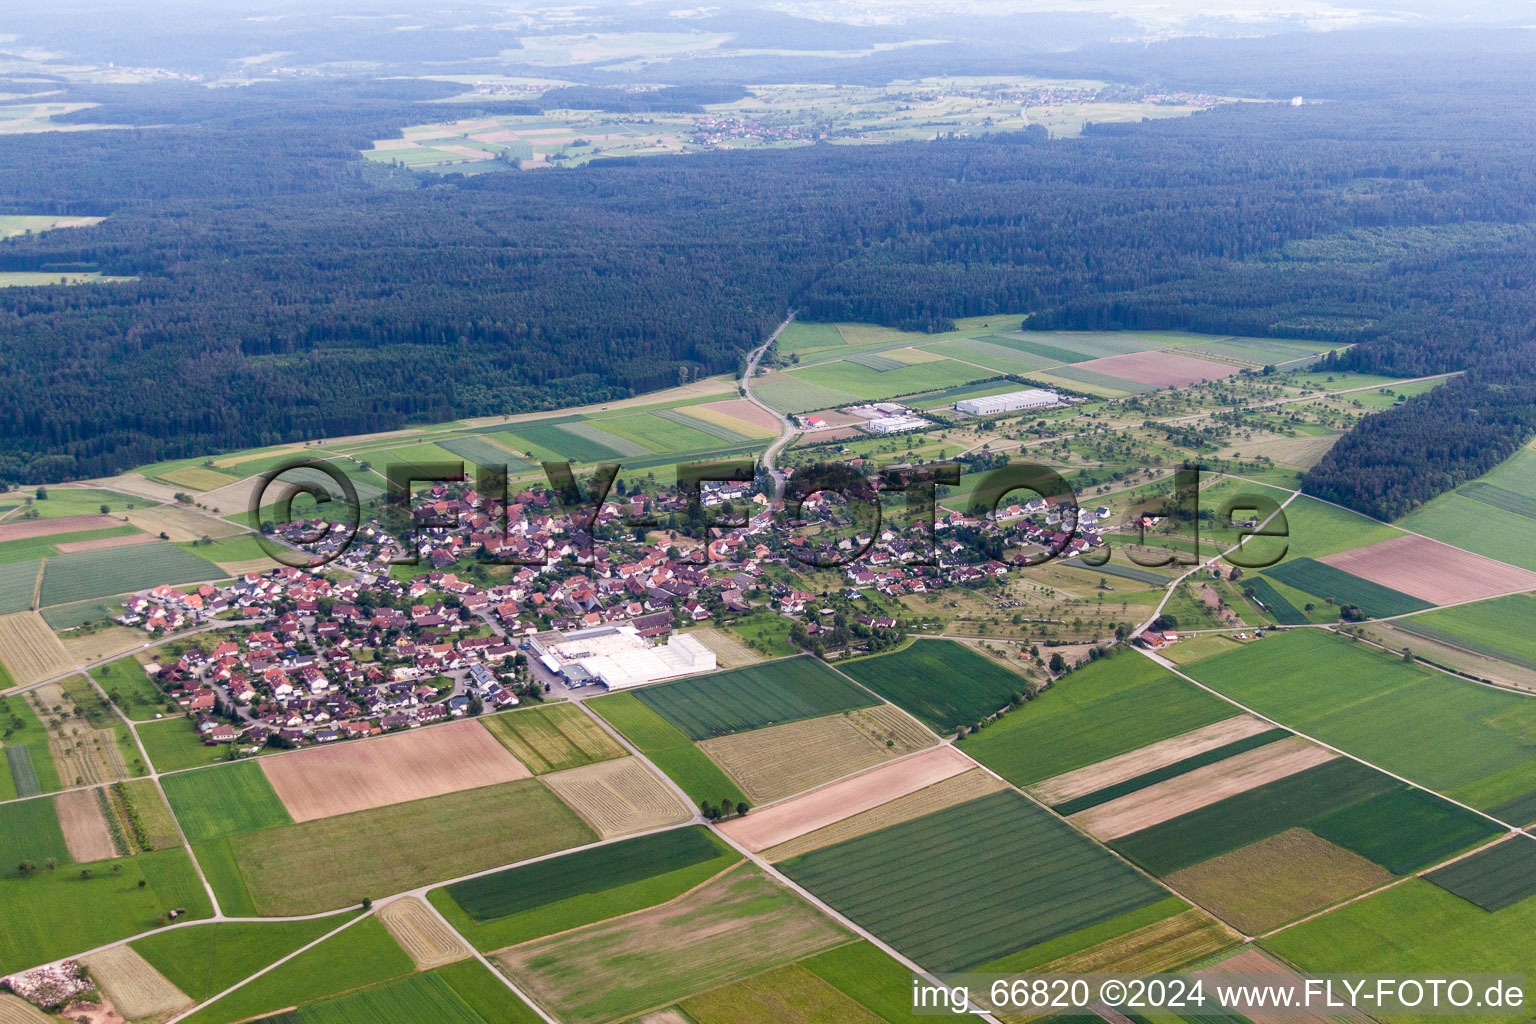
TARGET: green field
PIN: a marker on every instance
(1085, 938)
(57, 913)
(29, 830)
(866, 974)
(499, 910)
(786, 994)
(800, 337)
(174, 744)
(1404, 830)
(1106, 708)
(1490, 515)
(91, 574)
(1497, 628)
(414, 999)
(486, 994)
(44, 547)
(1317, 529)
(667, 747)
(944, 683)
(1252, 815)
(950, 890)
(552, 737)
(1325, 581)
(1471, 742)
(207, 959)
(85, 501)
(1273, 601)
(130, 688)
(28, 767)
(480, 452)
(17, 582)
(1495, 878)
(363, 954)
(770, 693)
(788, 393)
(866, 384)
(1171, 771)
(334, 862)
(551, 440)
(225, 801)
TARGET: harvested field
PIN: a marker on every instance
(1145, 759)
(27, 528)
(1431, 571)
(841, 800)
(1200, 788)
(363, 774)
(84, 826)
(1160, 369)
(619, 797)
(130, 540)
(1151, 949)
(771, 764)
(735, 926)
(422, 934)
(101, 643)
(1265, 884)
(29, 650)
(788, 994)
(739, 410)
(136, 485)
(135, 988)
(946, 793)
(182, 524)
(19, 1011)
(1301, 452)
(267, 453)
(730, 652)
(553, 737)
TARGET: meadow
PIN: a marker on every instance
(1471, 742)
(1325, 581)
(866, 974)
(173, 744)
(786, 994)
(414, 999)
(668, 748)
(1106, 708)
(945, 888)
(130, 688)
(1497, 628)
(1489, 515)
(552, 737)
(1497, 877)
(1404, 829)
(769, 693)
(29, 831)
(943, 683)
(57, 913)
(228, 800)
(503, 909)
(91, 574)
(207, 959)
(18, 581)
(1317, 528)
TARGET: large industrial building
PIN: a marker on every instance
(618, 657)
(1034, 398)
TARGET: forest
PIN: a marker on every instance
(285, 289)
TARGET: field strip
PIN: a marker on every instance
(618, 797)
(1201, 787)
(29, 649)
(14, 1010)
(1153, 756)
(818, 808)
(133, 985)
(427, 938)
(85, 827)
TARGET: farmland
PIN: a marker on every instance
(29, 650)
(1109, 707)
(416, 999)
(134, 986)
(1156, 937)
(28, 768)
(1497, 877)
(90, 574)
(29, 831)
(938, 889)
(421, 933)
(618, 797)
(1489, 516)
(207, 959)
(513, 906)
(224, 801)
(738, 924)
(1431, 571)
(1497, 628)
(1467, 741)
(552, 737)
(769, 693)
(1323, 580)
(173, 744)
(944, 683)
(779, 761)
(126, 684)
(788, 993)
(667, 748)
(332, 862)
(1404, 830)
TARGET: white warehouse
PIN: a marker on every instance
(1034, 398)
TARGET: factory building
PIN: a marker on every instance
(1034, 398)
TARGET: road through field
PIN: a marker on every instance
(788, 430)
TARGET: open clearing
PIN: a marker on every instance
(135, 988)
(1200, 788)
(736, 925)
(1146, 759)
(1159, 369)
(29, 649)
(28, 528)
(1265, 884)
(422, 934)
(181, 524)
(773, 763)
(553, 737)
(1432, 571)
(947, 890)
(363, 774)
(619, 797)
(84, 826)
(783, 822)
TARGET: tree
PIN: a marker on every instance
(367, 903)
(742, 807)
(1058, 663)
(50, 864)
(26, 867)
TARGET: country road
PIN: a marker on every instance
(788, 430)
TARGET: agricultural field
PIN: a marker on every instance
(618, 797)
(1495, 628)
(509, 907)
(667, 747)
(329, 863)
(1492, 515)
(552, 737)
(130, 688)
(1157, 937)
(782, 760)
(1104, 709)
(1326, 582)
(739, 923)
(83, 820)
(1431, 571)
(228, 800)
(18, 584)
(1494, 878)
(133, 985)
(204, 960)
(1404, 829)
(938, 887)
(30, 831)
(787, 994)
(92, 574)
(1471, 742)
(358, 775)
(942, 682)
(30, 651)
(422, 934)
(173, 744)
(27, 768)
(737, 700)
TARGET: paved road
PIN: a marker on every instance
(786, 425)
